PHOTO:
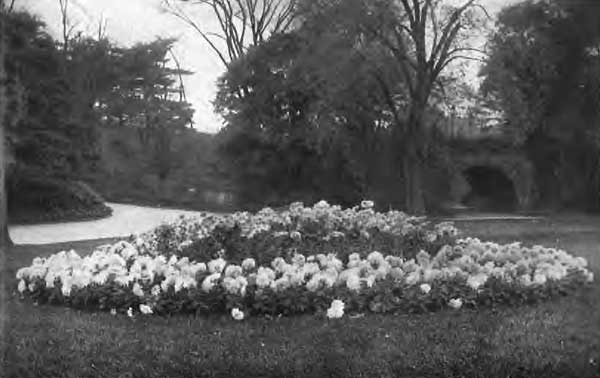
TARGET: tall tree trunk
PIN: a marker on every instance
(4, 235)
(413, 178)
(412, 163)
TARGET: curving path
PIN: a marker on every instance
(125, 220)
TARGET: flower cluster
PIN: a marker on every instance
(299, 227)
(471, 272)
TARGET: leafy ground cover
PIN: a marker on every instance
(558, 338)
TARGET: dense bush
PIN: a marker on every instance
(48, 199)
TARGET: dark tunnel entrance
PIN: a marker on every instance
(491, 190)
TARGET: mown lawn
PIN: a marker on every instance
(554, 339)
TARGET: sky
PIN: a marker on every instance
(132, 21)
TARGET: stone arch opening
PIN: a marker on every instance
(491, 189)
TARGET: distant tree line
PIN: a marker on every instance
(342, 103)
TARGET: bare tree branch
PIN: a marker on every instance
(102, 26)
(66, 31)
(182, 16)
(242, 23)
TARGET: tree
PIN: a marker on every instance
(425, 38)
(4, 235)
(242, 23)
(67, 27)
(295, 132)
(148, 95)
(331, 86)
(543, 71)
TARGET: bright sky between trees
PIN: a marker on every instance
(131, 21)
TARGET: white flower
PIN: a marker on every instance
(278, 264)
(295, 235)
(298, 259)
(22, 286)
(31, 286)
(113, 311)
(237, 314)
(210, 281)
(23, 273)
(413, 278)
(155, 290)
(590, 277)
(217, 265)
(336, 310)
(425, 288)
(375, 258)
(353, 282)
(263, 280)
(370, 280)
(367, 204)
(314, 283)
(145, 309)
(476, 281)
(130, 312)
(248, 264)
(455, 303)
(233, 271)
(321, 204)
(137, 290)
(539, 279)
(525, 280)
(66, 287)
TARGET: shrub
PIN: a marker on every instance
(48, 199)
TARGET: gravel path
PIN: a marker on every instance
(125, 220)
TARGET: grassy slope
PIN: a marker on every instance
(556, 339)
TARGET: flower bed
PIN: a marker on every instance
(128, 278)
(268, 234)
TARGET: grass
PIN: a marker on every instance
(553, 339)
